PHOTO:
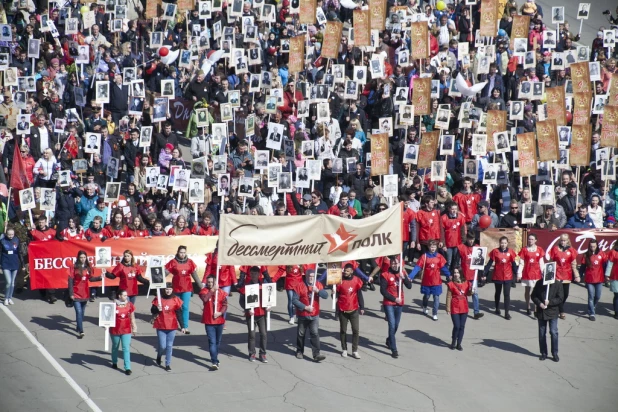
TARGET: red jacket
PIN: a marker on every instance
(408, 216)
(138, 233)
(208, 297)
(428, 225)
(122, 232)
(594, 271)
(612, 256)
(123, 320)
(563, 259)
(347, 294)
(96, 235)
(392, 287)
(465, 252)
(467, 203)
(532, 268)
(431, 269)
(503, 269)
(67, 234)
(200, 230)
(166, 319)
(304, 295)
(227, 273)
(288, 101)
(453, 228)
(128, 277)
(459, 297)
(80, 278)
(334, 210)
(182, 274)
(44, 235)
(172, 232)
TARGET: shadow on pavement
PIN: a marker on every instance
(423, 337)
(506, 346)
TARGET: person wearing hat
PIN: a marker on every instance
(306, 300)
(166, 311)
(548, 220)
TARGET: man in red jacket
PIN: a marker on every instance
(392, 291)
(43, 233)
(215, 306)
(308, 314)
(467, 200)
(350, 305)
(452, 232)
(427, 224)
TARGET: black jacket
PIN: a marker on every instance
(555, 298)
(119, 98)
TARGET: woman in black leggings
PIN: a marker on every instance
(505, 267)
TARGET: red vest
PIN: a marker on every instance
(383, 262)
(612, 256)
(128, 277)
(122, 232)
(392, 287)
(459, 294)
(67, 234)
(80, 282)
(452, 229)
(227, 273)
(467, 204)
(465, 252)
(138, 233)
(96, 235)
(408, 216)
(532, 268)
(172, 232)
(503, 270)
(123, 320)
(181, 281)
(47, 234)
(563, 259)
(429, 225)
(347, 297)
(166, 319)
(431, 267)
(200, 230)
(594, 271)
(293, 277)
(302, 290)
(209, 307)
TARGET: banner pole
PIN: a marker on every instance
(107, 339)
(400, 274)
(217, 283)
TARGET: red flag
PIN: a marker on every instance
(19, 180)
(71, 146)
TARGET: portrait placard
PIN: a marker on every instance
(428, 149)
(579, 154)
(526, 148)
(362, 27)
(421, 96)
(547, 138)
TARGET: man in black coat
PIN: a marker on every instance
(163, 138)
(547, 311)
(198, 88)
(65, 206)
(119, 99)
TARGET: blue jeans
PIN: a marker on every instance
(451, 258)
(594, 294)
(186, 299)
(9, 276)
(459, 325)
(290, 294)
(553, 331)
(214, 333)
(393, 316)
(132, 299)
(475, 302)
(166, 344)
(80, 308)
(126, 349)
(436, 303)
(227, 290)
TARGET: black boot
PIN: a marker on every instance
(452, 345)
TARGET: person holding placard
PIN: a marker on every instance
(183, 269)
(547, 303)
(464, 259)
(255, 314)
(350, 305)
(529, 272)
(166, 311)
(129, 273)
(227, 274)
(306, 300)
(432, 264)
(117, 229)
(592, 268)
(44, 233)
(505, 266)
(457, 294)
(293, 277)
(215, 307)
(611, 275)
(566, 266)
(121, 333)
(80, 273)
(392, 292)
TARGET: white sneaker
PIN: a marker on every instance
(291, 321)
(344, 354)
(435, 317)
(6, 302)
(355, 355)
(425, 311)
(11, 302)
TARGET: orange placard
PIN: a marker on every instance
(421, 96)
(378, 14)
(362, 27)
(556, 108)
(489, 18)
(419, 40)
(428, 149)
(496, 122)
(547, 138)
(613, 91)
(609, 133)
(579, 155)
(526, 148)
(379, 154)
(297, 54)
(580, 74)
(581, 107)
(332, 39)
(306, 11)
(520, 29)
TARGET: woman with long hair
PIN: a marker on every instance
(72, 231)
(121, 333)
(80, 273)
(183, 269)
(504, 259)
(592, 266)
(180, 227)
(117, 229)
(166, 311)
(137, 228)
(129, 273)
(458, 290)
(530, 267)
(566, 266)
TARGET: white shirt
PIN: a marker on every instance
(44, 138)
(596, 215)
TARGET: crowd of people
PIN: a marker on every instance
(92, 148)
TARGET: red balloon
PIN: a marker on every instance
(485, 221)
(569, 117)
(163, 51)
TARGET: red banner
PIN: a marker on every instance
(50, 261)
(579, 238)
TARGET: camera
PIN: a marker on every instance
(607, 12)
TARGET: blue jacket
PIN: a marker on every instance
(10, 253)
(85, 205)
(577, 222)
(91, 215)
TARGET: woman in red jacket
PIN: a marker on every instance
(215, 307)
(593, 268)
(504, 259)
(72, 231)
(183, 269)
(166, 314)
(566, 266)
(293, 277)
(129, 273)
(530, 267)
(227, 274)
(180, 227)
(117, 229)
(80, 273)
(125, 327)
(138, 229)
(457, 306)
(291, 97)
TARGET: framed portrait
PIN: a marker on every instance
(103, 256)
(490, 174)
(549, 273)
(546, 195)
(167, 88)
(583, 11)
(391, 186)
(245, 186)
(83, 54)
(160, 109)
(107, 314)
(479, 258)
(471, 168)
(181, 179)
(112, 191)
(337, 165)
(502, 142)
(302, 178)
(64, 178)
(479, 144)
(261, 159)
(410, 153)
(196, 190)
(226, 112)
(26, 199)
(59, 125)
(145, 136)
(273, 174)
(162, 182)
(269, 295)
(223, 185)
(34, 46)
(284, 182)
(608, 169)
(438, 171)
(275, 136)
(219, 163)
(252, 296)
(528, 213)
(102, 91)
(92, 143)
(314, 169)
(10, 76)
(447, 144)
(152, 176)
(80, 165)
(48, 199)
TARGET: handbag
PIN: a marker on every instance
(68, 302)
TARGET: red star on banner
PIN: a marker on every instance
(339, 240)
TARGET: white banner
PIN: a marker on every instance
(292, 240)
